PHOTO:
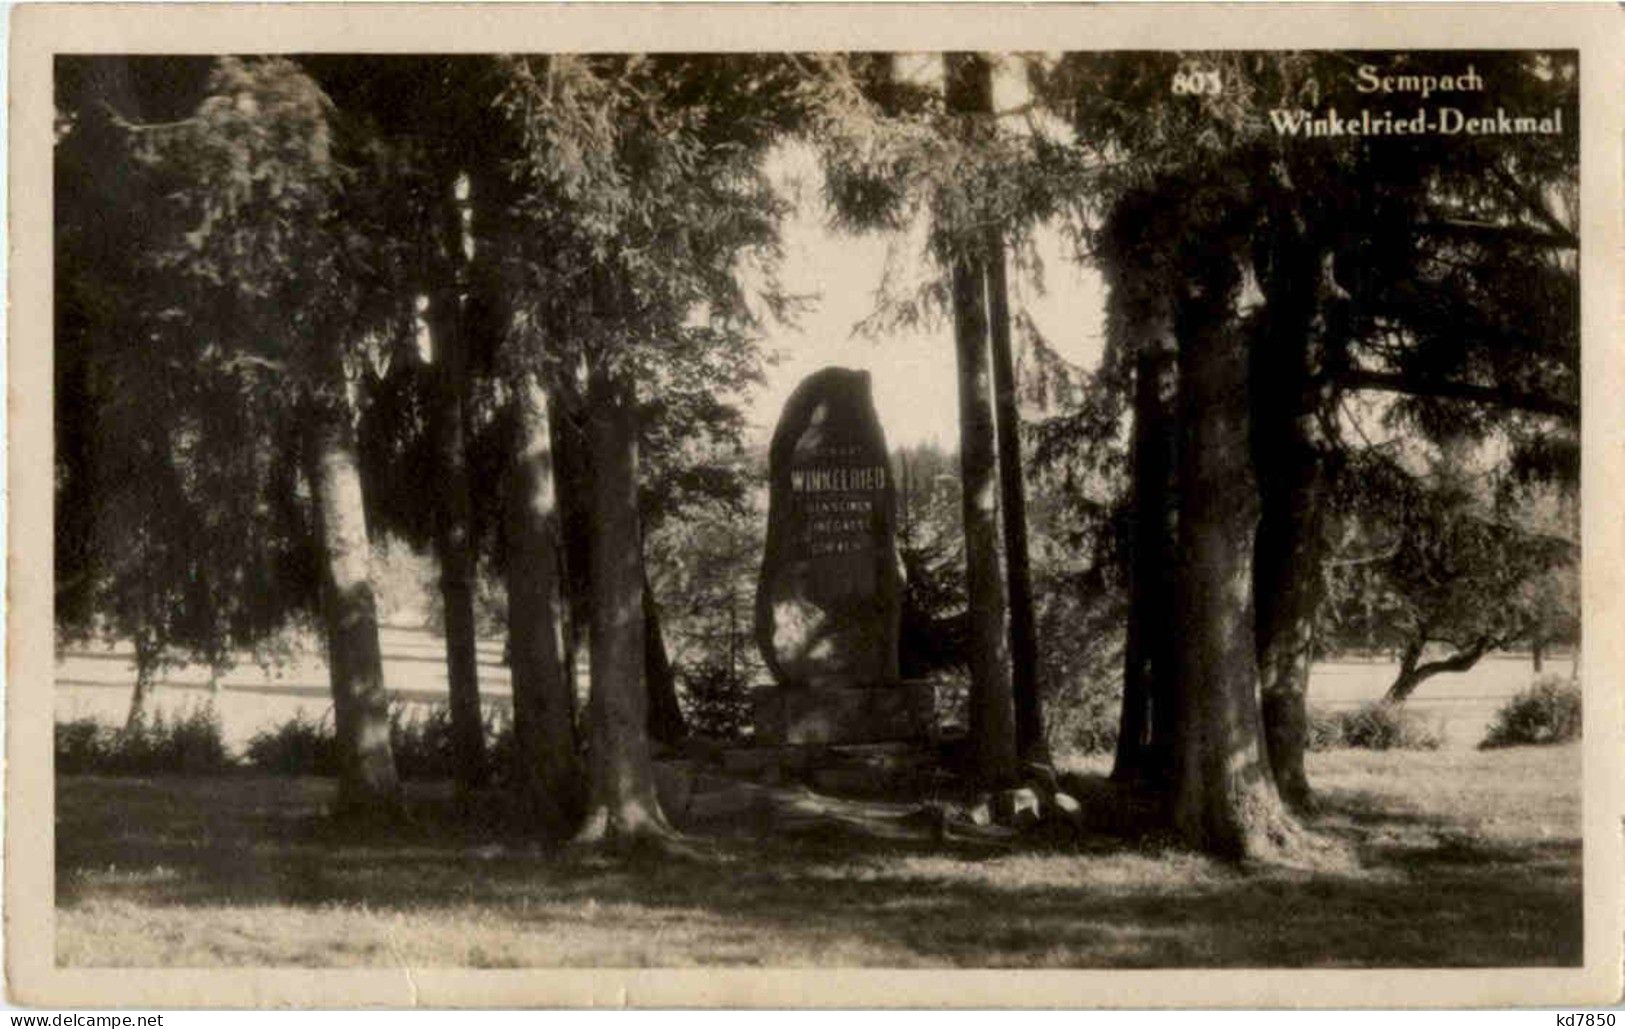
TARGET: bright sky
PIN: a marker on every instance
(913, 372)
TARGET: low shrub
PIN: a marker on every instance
(1375, 726)
(420, 739)
(1547, 712)
(1087, 721)
(1325, 730)
(81, 745)
(300, 746)
(499, 745)
(187, 743)
(719, 704)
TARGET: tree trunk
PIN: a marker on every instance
(992, 707)
(622, 805)
(454, 536)
(1288, 588)
(1412, 672)
(1537, 651)
(1145, 741)
(548, 769)
(1029, 711)
(367, 780)
(1227, 802)
(666, 723)
(146, 666)
(1290, 455)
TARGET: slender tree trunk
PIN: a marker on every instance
(992, 706)
(1227, 802)
(454, 535)
(1413, 672)
(548, 768)
(1030, 741)
(367, 778)
(1145, 742)
(622, 804)
(666, 723)
(146, 664)
(1537, 651)
(573, 473)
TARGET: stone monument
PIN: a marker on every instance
(829, 599)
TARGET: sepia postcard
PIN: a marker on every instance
(814, 505)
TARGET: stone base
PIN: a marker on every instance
(836, 714)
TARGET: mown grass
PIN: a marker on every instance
(1465, 858)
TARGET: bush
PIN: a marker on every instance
(189, 743)
(1375, 726)
(1547, 712)
(718, 700)
(1086, 718)
(299, 746)
(419, 739)
(1325, 730)
(81, 745)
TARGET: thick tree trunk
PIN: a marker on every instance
(1289, 451)
(666, 723)
(1030, 742)
(548, 770)
(454, 536)
(1227, 802)
(622, 804)
(1146, 735)
(992, 707)
(1287, 585)
(367, 778)
(1413, 672)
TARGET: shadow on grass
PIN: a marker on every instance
(1427, 894)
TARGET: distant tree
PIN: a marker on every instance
(1453, 570)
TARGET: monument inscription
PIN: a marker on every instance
(829, 598)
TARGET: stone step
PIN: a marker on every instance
(843, 715)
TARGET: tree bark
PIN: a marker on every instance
(1290, 453)
(992, 707)
(454, 535)
(1413, 672)
(1148, 730)
(1029, 711)
(146, 665)
(367, 780)
(622, 806)
(666, 723)
(548, 770)
(1227, 803)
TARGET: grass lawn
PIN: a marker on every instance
(1466, 858)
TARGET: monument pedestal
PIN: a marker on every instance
(796, 715)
